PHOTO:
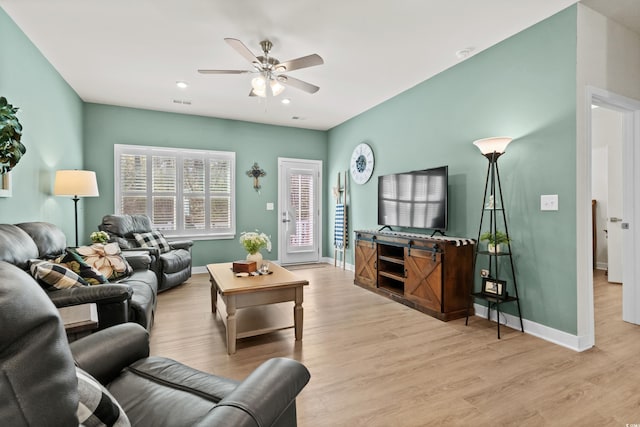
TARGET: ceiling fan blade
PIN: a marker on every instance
(224, 71)
(242, 50)
(298, 63)
(298, 84)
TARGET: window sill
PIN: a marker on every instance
(199, 236)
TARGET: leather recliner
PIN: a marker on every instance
(39, 386)
(172, 267)
(132, 299)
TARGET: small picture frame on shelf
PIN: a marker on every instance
(494, 287)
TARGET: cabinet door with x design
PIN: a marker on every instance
(366, 268)
(423, 282)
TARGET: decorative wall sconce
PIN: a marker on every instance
(255, 172)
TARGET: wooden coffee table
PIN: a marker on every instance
(253, 305)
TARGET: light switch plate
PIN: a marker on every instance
(549, 202)
(270, 206)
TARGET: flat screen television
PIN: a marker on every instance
(416, 199)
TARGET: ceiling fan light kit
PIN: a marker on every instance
(259, 85)
(271, 70)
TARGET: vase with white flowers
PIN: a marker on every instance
(99, 237)
(253, 241)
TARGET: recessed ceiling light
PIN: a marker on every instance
(286, 101)
(182, 85)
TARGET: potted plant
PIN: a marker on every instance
(11, 149)
(494, 240)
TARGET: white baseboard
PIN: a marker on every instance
(347, 266)
(546, 333)
(199, 269)
(602, 266)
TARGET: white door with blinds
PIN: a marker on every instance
(299, 208)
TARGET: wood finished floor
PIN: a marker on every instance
(375, 362)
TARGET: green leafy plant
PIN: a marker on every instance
(496, 238)
(11, 149)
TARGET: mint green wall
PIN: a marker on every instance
(524, 87)
(51, 117)
(109, 125)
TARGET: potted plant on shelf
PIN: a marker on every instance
(494, 240)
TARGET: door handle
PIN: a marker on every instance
(286, 220)
(614, 219)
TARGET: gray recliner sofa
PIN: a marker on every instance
(39, 383)
(172, 268)
(132, 299)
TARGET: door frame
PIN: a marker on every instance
(281, 245)
(631, 206)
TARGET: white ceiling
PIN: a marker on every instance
(131, 53)
(625, 12)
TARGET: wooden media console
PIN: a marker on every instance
(433, 274)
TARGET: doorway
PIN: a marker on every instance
(607, 136)
(629, 110)
(299, 207)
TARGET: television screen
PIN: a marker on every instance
(415, 199)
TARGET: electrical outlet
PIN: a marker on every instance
(549, 202)
(270, 206)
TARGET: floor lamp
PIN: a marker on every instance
(76, 183)
(495, 292)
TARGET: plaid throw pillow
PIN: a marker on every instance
(53, 276)
(152, 239)
(96, 406)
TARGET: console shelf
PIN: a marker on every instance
(429, 274)
(397, 260)
(391, 276)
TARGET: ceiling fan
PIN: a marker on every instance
(270, 70)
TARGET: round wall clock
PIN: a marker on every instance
(362, 163)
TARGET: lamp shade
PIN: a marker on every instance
(259, 85)
(496, 144)
(75, 183)
(276, 87)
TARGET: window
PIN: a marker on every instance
(301, 201)
(187, 193)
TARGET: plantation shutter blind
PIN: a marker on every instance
(133, 181)
(184, 192)
(163, 178)
(301, 200)
(220, 190)
(193, 193)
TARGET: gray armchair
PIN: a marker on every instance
(172, 267)
(39, 384)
